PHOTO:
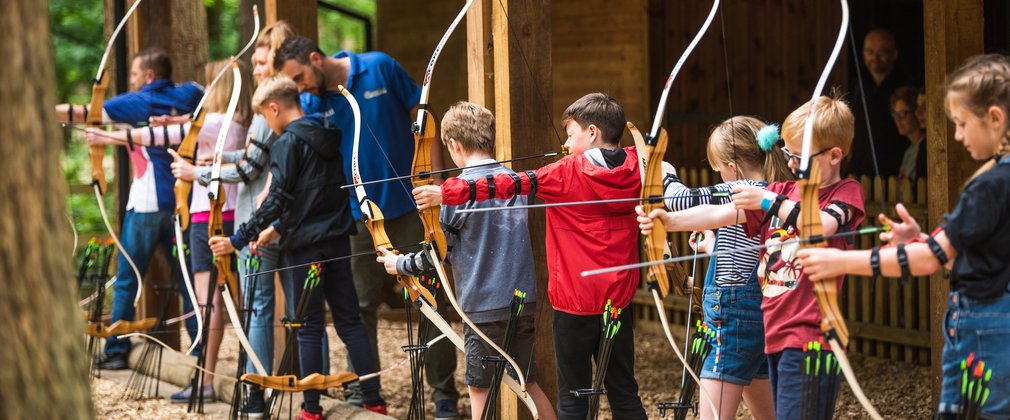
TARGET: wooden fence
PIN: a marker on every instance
(885, 318)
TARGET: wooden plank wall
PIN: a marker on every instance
(602, 46)
(409, 32)
(777, 50)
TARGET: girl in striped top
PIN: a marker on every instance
(744, 151)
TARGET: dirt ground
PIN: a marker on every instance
(897, 390)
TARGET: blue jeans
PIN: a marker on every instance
(734, 312)
(981, 327)
(141, 232)
(792, 401)
(261, 322)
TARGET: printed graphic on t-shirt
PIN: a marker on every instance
(779, 273)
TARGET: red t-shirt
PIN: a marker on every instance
(791, 314)
(579, 238)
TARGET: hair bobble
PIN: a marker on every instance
(767, 137)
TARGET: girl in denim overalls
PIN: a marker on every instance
(745, 152)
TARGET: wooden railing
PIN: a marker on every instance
(885, 318)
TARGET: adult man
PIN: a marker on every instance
(388, 98)
(880, 55)
(148, 220)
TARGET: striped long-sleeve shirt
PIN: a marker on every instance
(733, 269)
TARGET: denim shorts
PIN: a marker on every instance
(199, 248)
(981, 327)
(734, 313)
(479, 372)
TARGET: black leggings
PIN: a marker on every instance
(336, 286)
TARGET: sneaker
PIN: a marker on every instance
(114, 361)
(184, 395)
(352, 394)
(306, 415)
(381, 408)
(446, 410)
(254, 406)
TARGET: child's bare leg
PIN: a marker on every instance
(758, 396)
(725, 397)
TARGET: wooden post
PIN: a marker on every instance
(520, 32)
(952, 35)
(43, 354)
(300, 14)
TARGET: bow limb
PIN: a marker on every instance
(97, 153)
(826, 290)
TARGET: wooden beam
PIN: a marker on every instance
(480, 54)
(502, 81)
(300, 14)
(952, 35)
(178, 26)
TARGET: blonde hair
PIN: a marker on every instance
(272, 37)
(735, 141)
(982, 82)
(220, 95)
(280, 89)
(471, 125)
(834, 124)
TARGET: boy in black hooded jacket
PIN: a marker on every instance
(311, 213)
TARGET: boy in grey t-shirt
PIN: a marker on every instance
(489, 252)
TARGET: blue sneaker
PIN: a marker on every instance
(183, 396)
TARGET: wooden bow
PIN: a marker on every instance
(98, 181)
(651, 151)
(291, 383)
(811, 230)
(434, 236)
(225, 278)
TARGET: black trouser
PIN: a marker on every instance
(576, 338)
(337, 287)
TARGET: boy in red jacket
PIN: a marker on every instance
(580, 238)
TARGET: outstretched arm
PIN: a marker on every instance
(823, 263)
(695, 218)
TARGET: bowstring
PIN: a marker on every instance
(736, 163)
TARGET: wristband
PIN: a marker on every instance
(766, 201)
(875, 261)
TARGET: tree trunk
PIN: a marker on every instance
(45, 369)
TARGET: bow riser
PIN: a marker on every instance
(97, 153)
(291, 383)
(183, 188)
(430, 217)
(656, 246)
(826, 291)
(121, 327)
(375, 222)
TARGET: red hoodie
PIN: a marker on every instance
(579, 238)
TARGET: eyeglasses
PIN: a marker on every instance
(790, 157)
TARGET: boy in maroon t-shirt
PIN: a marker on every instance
(581, 238)
(792, 317)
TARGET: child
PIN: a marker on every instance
(745, 152)
(312, 215)
(971, 241)
(581, 238)
(792, 317)
(492, 256)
